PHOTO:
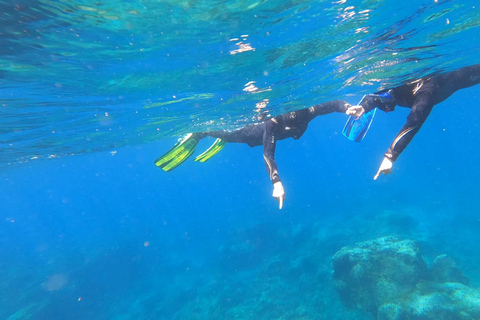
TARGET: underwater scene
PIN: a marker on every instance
(97, 97)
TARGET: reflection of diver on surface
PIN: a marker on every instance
(266, 133)
(420, 96)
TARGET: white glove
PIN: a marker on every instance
(385, 167)
(356, 111)
(279, 193)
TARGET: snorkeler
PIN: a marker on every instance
(421, 96)
(266, 133)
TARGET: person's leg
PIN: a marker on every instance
(251, 135)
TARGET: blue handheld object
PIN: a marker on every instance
(356, 129)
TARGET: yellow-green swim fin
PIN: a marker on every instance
(210, 152)
(180, 152)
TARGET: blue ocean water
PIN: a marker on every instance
(92, 92)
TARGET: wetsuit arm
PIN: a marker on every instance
(269, 145)
(372, 101)
(304, 116)
(328, 107)
(421, 109)
(307, 115)
(433, 91)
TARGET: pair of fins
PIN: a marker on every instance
(356, 128)
(184, 148)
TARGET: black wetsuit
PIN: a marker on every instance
(421, 96)
(289, 125)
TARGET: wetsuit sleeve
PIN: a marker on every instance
(307, 115)
(421, 109)
(373, 101)
(329, 107)
(269, 144)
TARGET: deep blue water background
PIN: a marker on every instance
(88, 217)
(104, 234)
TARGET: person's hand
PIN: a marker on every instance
(385, 167)
(279, 193)
(356, 111)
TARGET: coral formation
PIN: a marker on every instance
(389, 278)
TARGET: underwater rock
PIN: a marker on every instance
(444, 269)
(434, 301)
(390, 311)
(376, 272)
(389, 278)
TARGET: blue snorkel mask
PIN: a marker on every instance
(387, 99)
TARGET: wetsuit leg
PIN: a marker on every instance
(456, 80)
(251, 135)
